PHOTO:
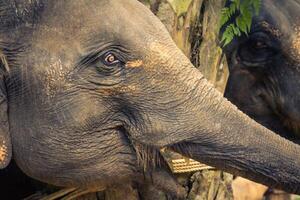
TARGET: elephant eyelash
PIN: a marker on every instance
(95, 56)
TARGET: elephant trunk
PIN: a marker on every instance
(188, 115)
(224, 137)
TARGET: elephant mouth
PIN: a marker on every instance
(148, 158)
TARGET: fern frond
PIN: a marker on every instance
(241, 14)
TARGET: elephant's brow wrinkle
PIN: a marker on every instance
(87, 59)
(91, 54)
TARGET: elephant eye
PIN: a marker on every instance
(258, 50)
(260, 45)
(110, 59)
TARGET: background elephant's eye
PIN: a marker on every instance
(260, 45)
(258, 49)
(110, 59)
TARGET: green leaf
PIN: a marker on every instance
(243, 12)
(236, 31)
(228, 35)
(247, 18)
(256, 5)
(238, 3)
(232, 8)
(225, 16)
(240, 22)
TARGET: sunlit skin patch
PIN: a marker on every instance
(161, 53)
(296, 43)
(55, 78)
(134, 64)
(159, 49)
(3, 152)
(269, 28)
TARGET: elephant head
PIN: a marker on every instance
(91, 90)
(264, 68)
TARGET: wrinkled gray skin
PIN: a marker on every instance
(95, 88)
(265, 68)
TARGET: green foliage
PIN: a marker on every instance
(241, 13)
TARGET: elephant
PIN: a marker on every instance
(264, 68)
(92, 90)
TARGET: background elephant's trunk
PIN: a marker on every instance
(229, 140)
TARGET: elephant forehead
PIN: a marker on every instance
(107, 19)
(289, 8)
(281, 19)
(71, 28)
(282, 14)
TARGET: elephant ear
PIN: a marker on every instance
(5, 140)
